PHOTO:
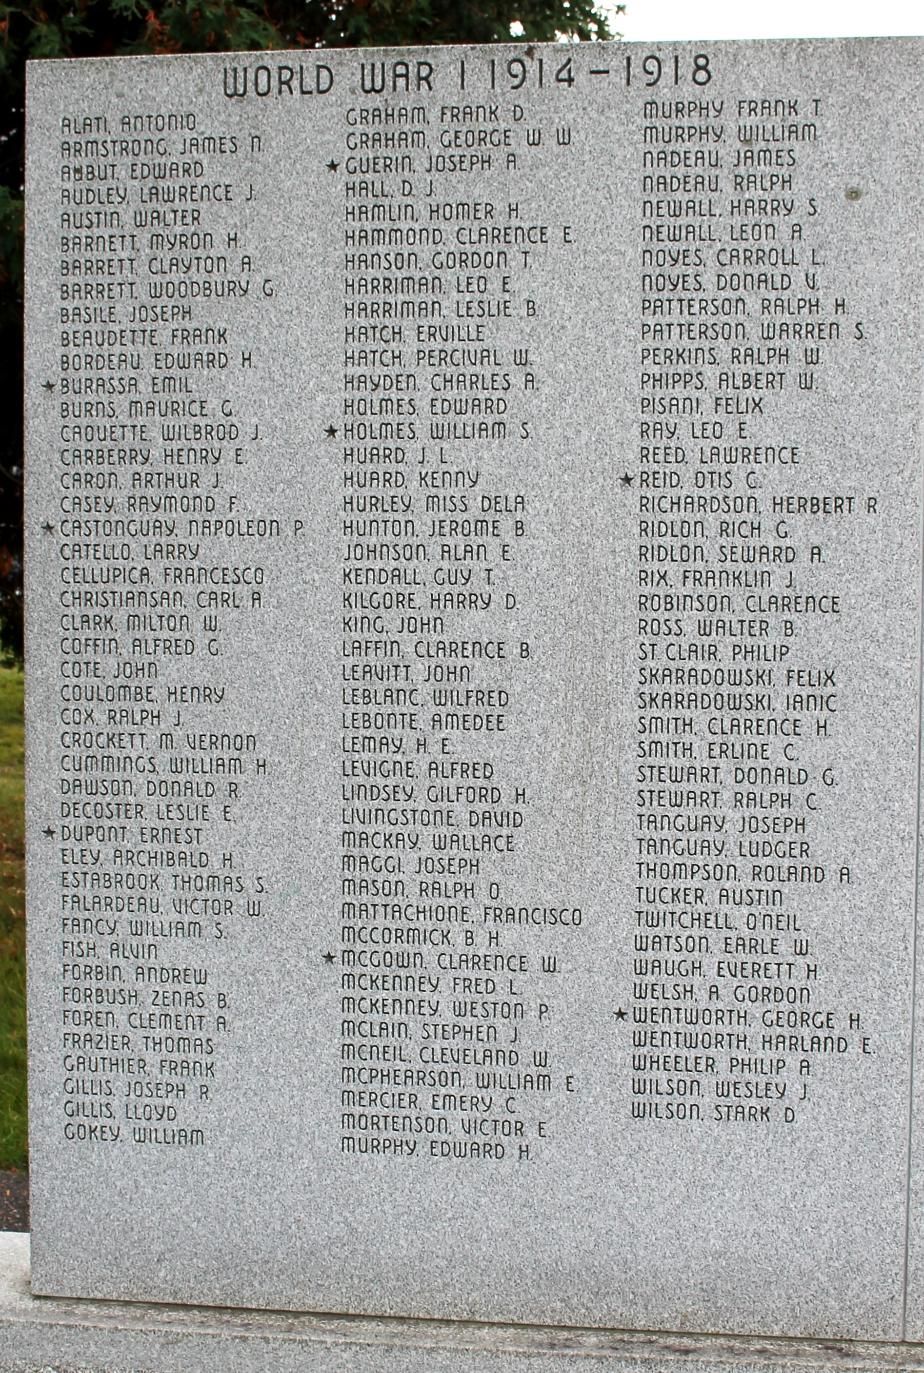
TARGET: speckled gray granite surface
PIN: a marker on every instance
(473, 539)
(52, 1335)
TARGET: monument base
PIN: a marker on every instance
(57, 1335)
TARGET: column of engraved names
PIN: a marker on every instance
(151, 766)
(441, 1015)
(730, 1012)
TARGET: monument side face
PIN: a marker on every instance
(473, 534)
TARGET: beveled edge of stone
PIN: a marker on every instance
(58, 1335)
(916, 40)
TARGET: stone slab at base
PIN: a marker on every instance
(52, 1335)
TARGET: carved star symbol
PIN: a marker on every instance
(620, 1014)
(328, 958)
(48, 385)
(331, 432)
(332, 165)
(49, 831)
(626, 479)
(48, 527)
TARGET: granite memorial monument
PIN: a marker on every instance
(474, 612)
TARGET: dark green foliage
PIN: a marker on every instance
(99, 28)
(13, 1146)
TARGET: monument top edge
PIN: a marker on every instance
(519, 45)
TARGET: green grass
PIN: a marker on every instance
(13, 1146)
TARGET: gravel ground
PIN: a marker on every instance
(14, 1201)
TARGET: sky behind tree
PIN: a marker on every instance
(661, 20)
